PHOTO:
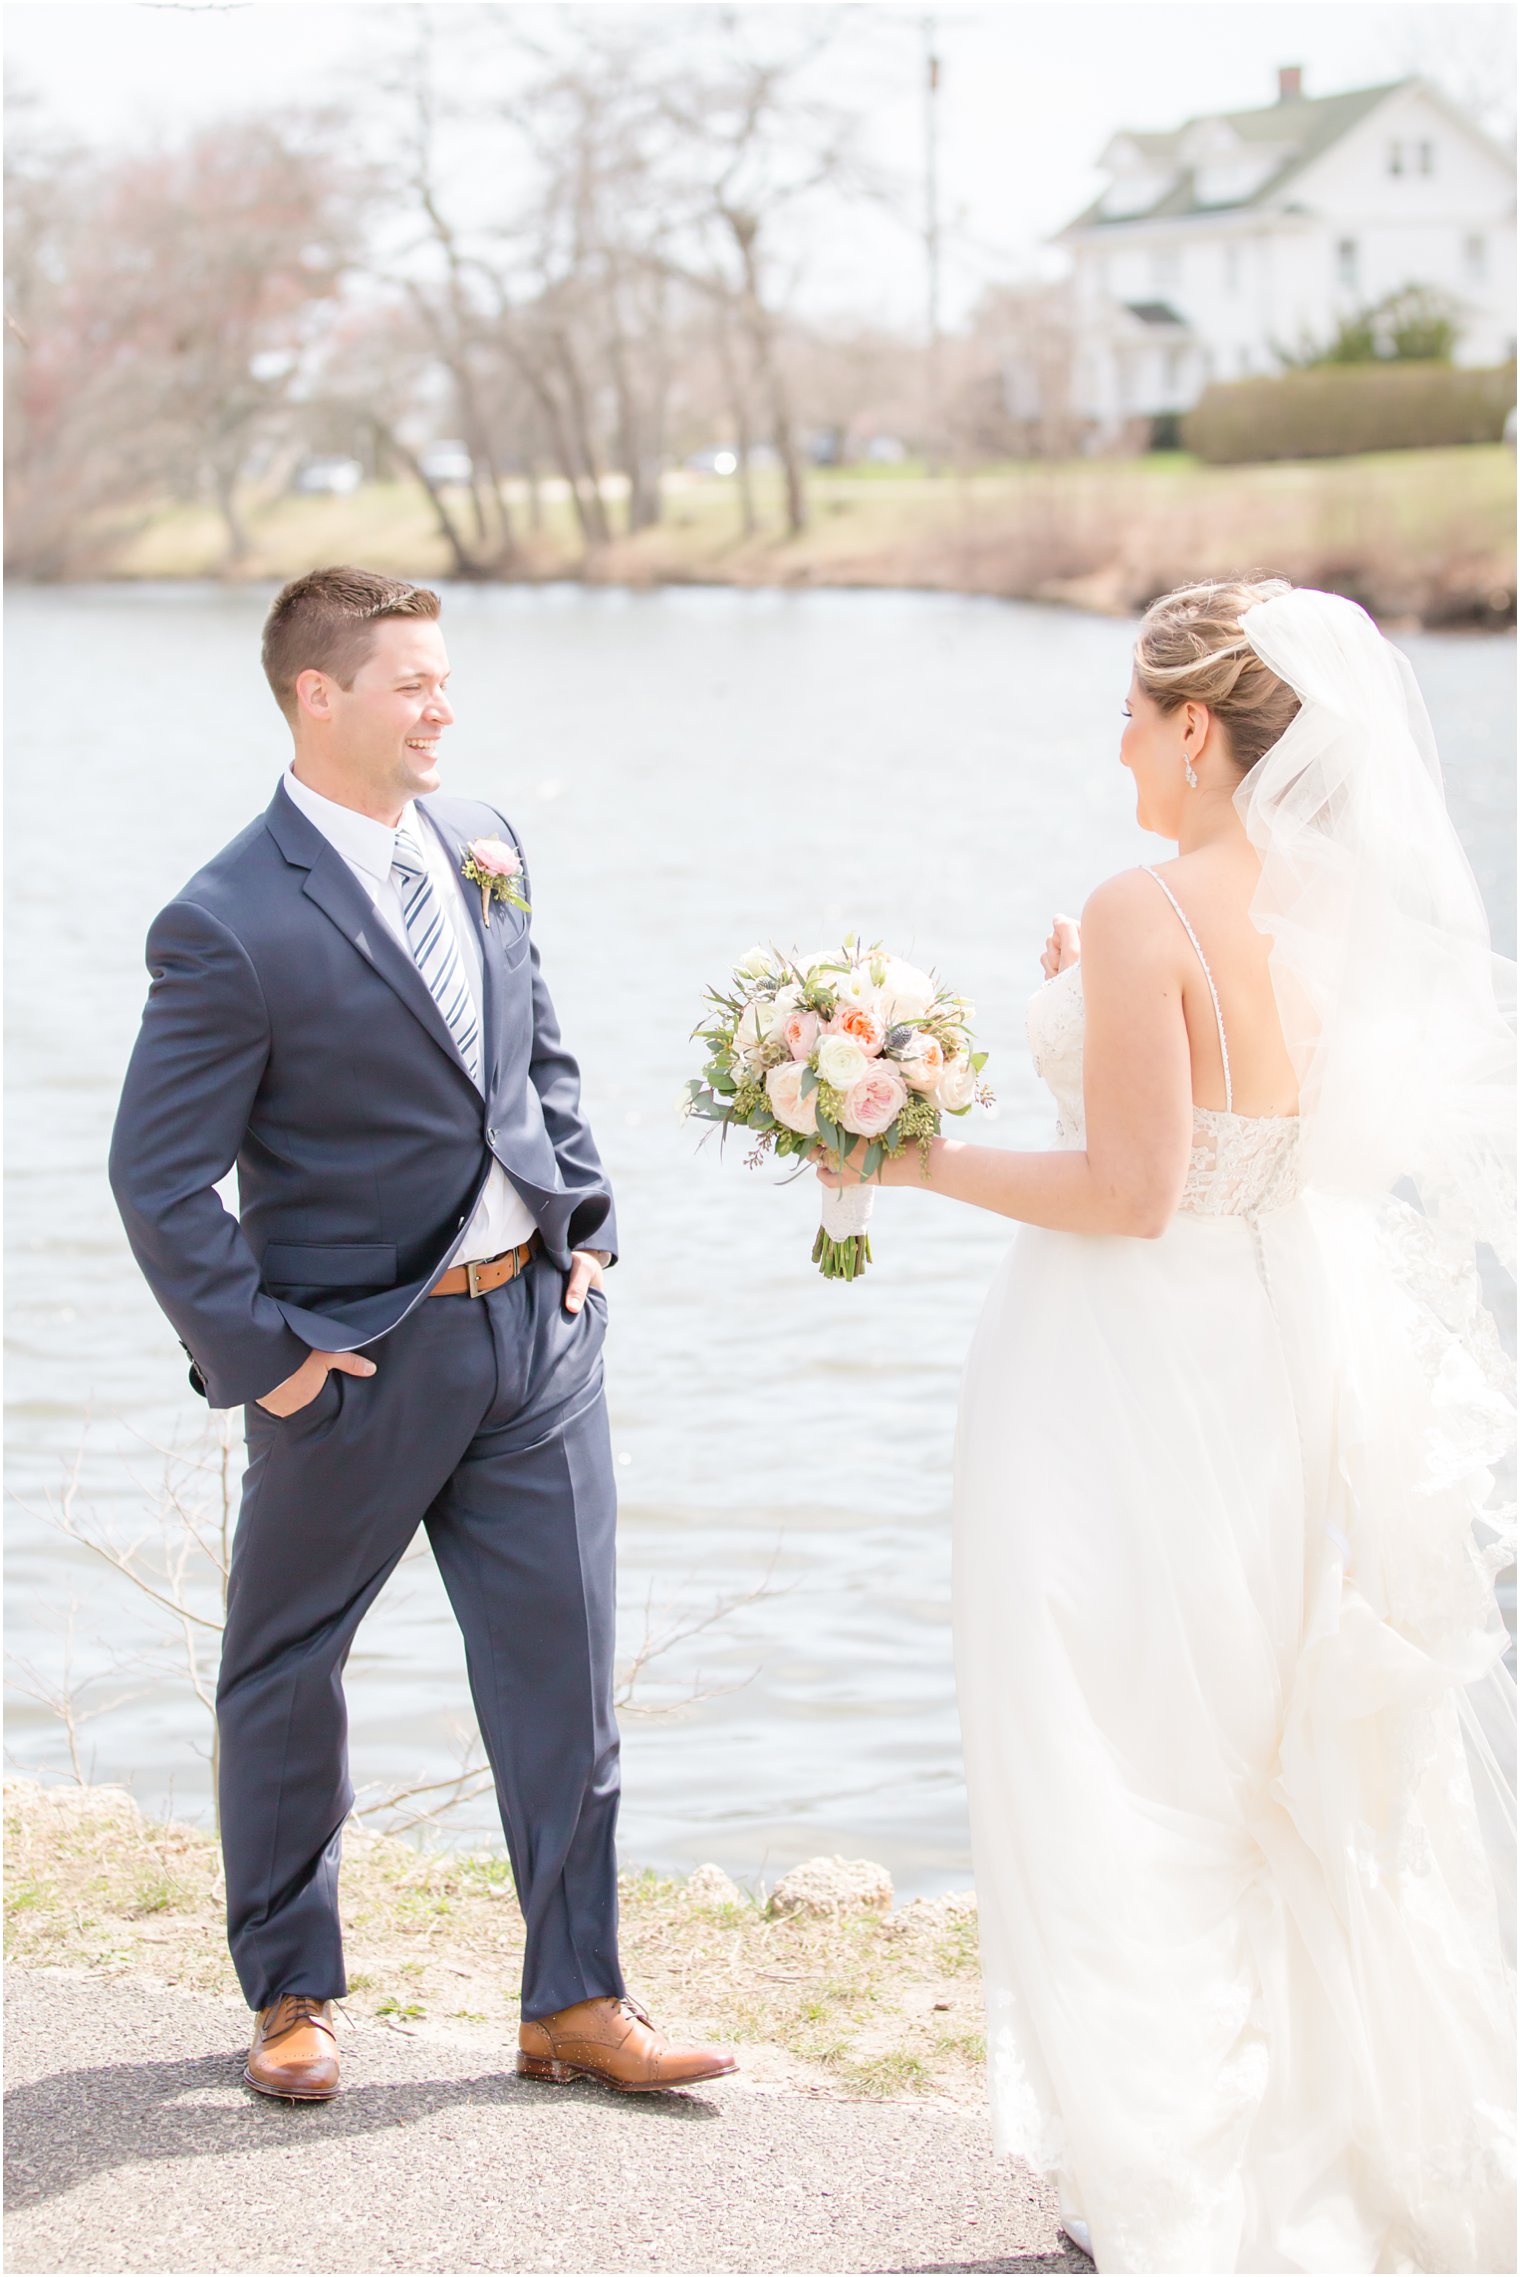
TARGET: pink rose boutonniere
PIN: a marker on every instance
(495, 867)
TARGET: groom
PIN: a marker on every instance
(409, 1310)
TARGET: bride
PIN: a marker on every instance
(1228, 1654)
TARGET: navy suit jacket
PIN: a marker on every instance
(289, 1032)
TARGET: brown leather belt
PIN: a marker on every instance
(488, 1273)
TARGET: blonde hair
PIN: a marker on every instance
(1191, 650)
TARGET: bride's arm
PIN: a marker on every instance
(1137, 1093)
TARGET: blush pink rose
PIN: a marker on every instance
(495, 857)
(873, 1103)
(801, 1033)
(783, 1088)
(861, 1025)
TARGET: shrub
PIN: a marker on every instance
(1337, 409)
(1414, 325)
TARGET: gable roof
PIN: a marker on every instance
(1311, 123)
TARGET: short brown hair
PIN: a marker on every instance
(1191, 650)
(324, 622)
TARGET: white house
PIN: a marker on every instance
(1218, 247)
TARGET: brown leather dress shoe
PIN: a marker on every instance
(612, 2040)
(295, 2050)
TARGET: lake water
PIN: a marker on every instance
(690, 771)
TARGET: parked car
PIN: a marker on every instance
(447, 465)
(886, 450)
(332, 478)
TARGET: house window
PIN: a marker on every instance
(1232, 268)
(1395, 158)
(1475, 256)
(1346, 262)
(1166, 267)
(1427, 157)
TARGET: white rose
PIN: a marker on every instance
(755, 963)
(783, 1088)
(857, 987)
(841, 1062)
(906, 993)
(957, 1086)
(750, 1036)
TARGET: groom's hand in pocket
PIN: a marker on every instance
(301, 1389)
(585, 1273)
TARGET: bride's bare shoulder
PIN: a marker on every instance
(1123, 904)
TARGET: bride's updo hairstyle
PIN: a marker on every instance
(1191, 650)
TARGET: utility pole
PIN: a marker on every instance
(933, 426)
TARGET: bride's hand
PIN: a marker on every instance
(1063, 948)
(894, 1170)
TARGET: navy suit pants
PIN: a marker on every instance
(485, 1422)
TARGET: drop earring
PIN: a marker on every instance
(1188, 769)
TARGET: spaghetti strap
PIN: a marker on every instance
(1224, 1049)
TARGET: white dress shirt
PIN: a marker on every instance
(502, 1218)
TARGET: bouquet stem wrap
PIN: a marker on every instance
(843, 1247)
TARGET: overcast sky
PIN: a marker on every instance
(1030, 93)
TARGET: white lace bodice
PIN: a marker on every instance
(1241, 1165)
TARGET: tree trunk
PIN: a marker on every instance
(594, 517)
(761, 331)
(630, 450)
(738, 396)
(224, 478)
(465, 563)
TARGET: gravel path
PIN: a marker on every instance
(131, 2145)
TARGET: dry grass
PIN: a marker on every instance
(1417, 535)
(862, 2004)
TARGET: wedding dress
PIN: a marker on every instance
(1228, 1652)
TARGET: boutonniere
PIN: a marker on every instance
(495, 867)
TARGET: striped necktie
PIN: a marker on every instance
(430, 936)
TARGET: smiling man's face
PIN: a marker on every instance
(375, 745)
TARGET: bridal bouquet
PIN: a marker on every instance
(836, 1048)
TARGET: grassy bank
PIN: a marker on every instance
(1423, 536)
(861, 2003)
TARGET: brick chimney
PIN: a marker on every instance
(1290, 82)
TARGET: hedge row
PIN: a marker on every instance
(1336, 409)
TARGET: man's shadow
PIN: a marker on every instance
(73, 2125)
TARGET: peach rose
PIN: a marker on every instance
(801, 1032)
(866, 1027)
(922, 1061)
(783, 1088)
(876, 1101)
(495, 857)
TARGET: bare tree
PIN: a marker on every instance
(753, 149)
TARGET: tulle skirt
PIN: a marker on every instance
(1231, 1686)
